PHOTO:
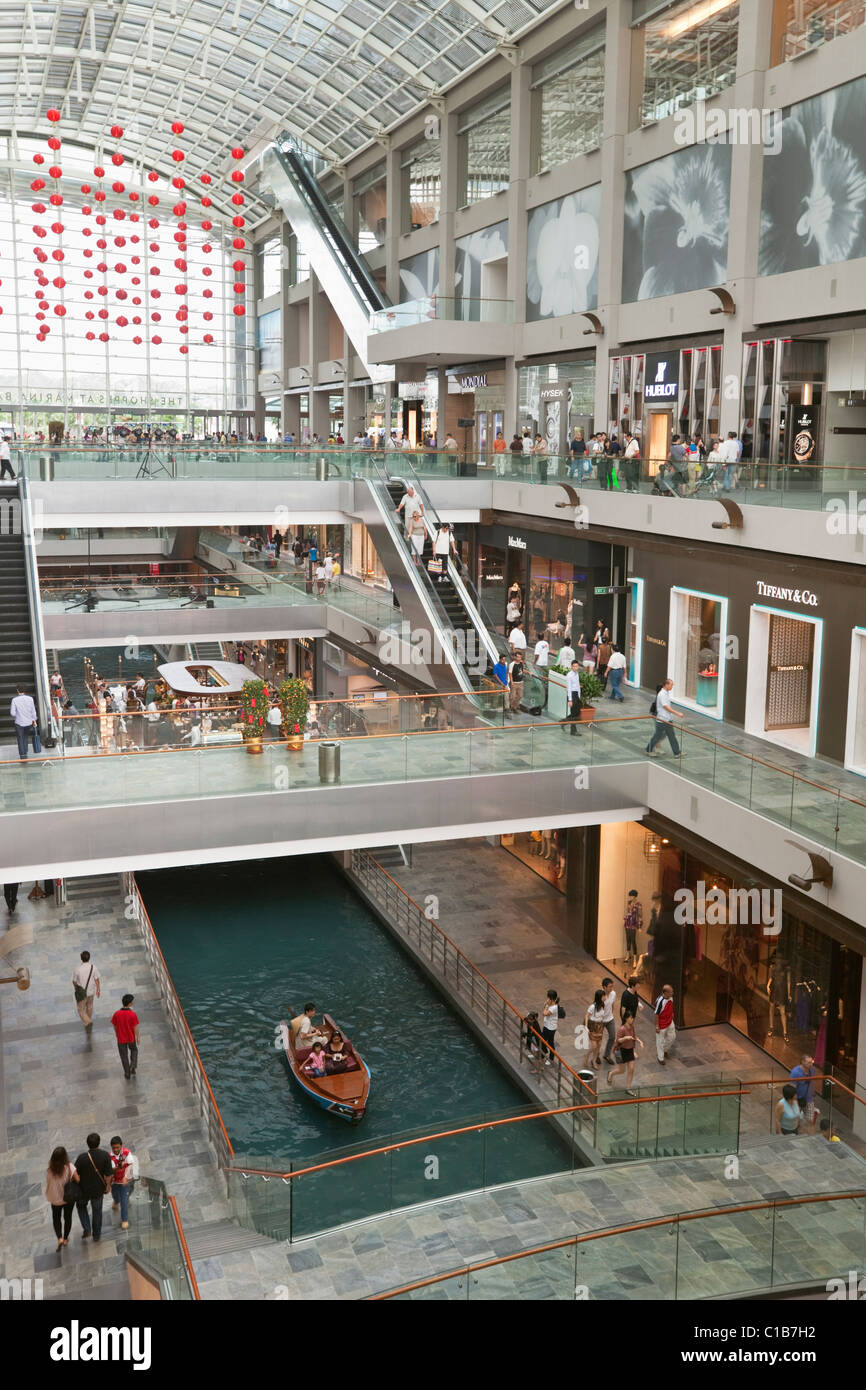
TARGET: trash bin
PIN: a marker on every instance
(329, 762)
(46, 468)
(321, 470)
(589, 1078)
(59, 892)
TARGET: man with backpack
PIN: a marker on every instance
(551, 1014)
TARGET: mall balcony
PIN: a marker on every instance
(441, 328)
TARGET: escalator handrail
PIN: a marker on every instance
(34, 604)
(330, 224)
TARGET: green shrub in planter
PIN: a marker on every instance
(294, 700)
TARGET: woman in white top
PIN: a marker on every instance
(59, 1172)
(595, 1026)
(417, 531)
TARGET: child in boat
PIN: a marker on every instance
(315, 1063)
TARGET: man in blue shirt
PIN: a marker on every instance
(500, 671)
(806, 1089)
(572, 695)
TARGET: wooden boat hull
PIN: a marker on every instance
(344, 1094)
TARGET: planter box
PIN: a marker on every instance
(557, 704)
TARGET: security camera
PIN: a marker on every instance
(23, 977)
(822, 870)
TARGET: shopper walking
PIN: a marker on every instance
(615, 672)
(94, 1176)
(121, 1177)
(626, 1041)
(630, 1001)
(125, 1024)
(572, 695)
(86, 986)
(605, 652)
(61, 1192)
(516, 672)
(550, 1022)
(666, 1033)
(801, 1075)
(631, 463)
(664, 713)
(23, 712)
(609, 1019)
(5, 459)
(594, 1020)
(788, 1116)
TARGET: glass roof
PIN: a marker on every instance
(332, 72)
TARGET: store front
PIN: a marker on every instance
(666, 389)
(476, 394)
(555, 399)
(777, 648)
(789, 993)
(544, 852)
(564, 582)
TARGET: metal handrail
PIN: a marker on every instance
(478, 1128)
(572, 1242)
(217, 1133)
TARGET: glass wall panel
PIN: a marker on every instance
(568, 100)
(690, 54)
(270, 341)
(421, 184)
(270, 266)
(369, 192)
(484, 147)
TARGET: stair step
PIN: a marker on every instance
(221, 1238)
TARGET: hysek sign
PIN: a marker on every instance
(792, 595)
(662, 376)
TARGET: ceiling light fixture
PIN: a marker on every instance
(698, 14)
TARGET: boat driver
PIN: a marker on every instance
(303, 1030)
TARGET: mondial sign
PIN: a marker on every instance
(661, 381)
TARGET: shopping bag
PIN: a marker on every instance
(434, 566)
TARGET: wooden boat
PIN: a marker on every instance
(342, 1093)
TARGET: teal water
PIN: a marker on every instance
(248, 944)
(110, 662)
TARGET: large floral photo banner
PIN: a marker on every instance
(562, 255)
(419, 276)
(813, 203)
(472, 254)
(676, 223)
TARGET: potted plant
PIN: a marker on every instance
(254, 707)
(294, 702)
(591, 689)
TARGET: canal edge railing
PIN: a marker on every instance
(135, 911)
(492, 1013)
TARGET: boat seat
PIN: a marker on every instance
(302, 1054)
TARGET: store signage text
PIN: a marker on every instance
(471, 383)
(516, 543)
(610, 589)
(792, 595)
(660, 368)
(657, 641)
(553, 393)
(80, 399)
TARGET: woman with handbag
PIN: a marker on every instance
(594, 1021)
(61, 1189)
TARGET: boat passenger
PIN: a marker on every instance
(303, 1031)
(315, 1063)
(339, 1055)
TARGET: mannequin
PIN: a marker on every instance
(779, 992)
(632, 922)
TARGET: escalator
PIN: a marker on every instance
(342, 272)
(22, 658)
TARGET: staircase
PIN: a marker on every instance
(16, 650)
(393, 856)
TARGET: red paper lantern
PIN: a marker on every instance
(184, 348)
(238, 199)
(57, 228)
(183, 328)
(207, 294)
(58, 282)
(180, 289)
(178, 182)
(122, 321)
(238, 243)
(237, 176)
(120, 241)
(59, 310)
(238, 221)
(137, 317)
(177, 127)
(102, 313)
(57, 255)
(120, 267)
(117, 160)
(154, 294)
(178, 156)
(156, 316)
(39, 159)
(206, 202)
(103, 337)
(43, 303)
(239, 287)
(136, 299)
(154, 270)
(206, 270)
(53, 114)
(180, 238)
(85, 188)
(237, 152)
(37, 184)
(102, 290)
(40, 315)
(206, 178)
(156, 339)
(180, 263)
(88, 274)
(40, 231)
(134, 197)
(86, 210)
(179, 209)
(38, 207)
(239, 310)
(152, 222)
(238, 265)
(56, 200)
(152, 177)
(88, 294)
(136, 340)
(206, 226)
(154, 246)
(117, 187)
(207, 248)
(181, 226)
(99, 219)
(101, 243)
(120, 294)
(207, 315)
(99, 171)
(208, 337)
(90, 337)
(99, 196)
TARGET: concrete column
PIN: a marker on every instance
(394, 225)
(747, 166)
(617, 103)
(319, 336)
(521, 156)
(448, 201)
(287, 423)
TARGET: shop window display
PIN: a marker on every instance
(697, 644)
(543, 851)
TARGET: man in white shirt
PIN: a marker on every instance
(5, 459)
(565, 656)
(275, 720)
(615, 672)
(86, 987)
(23, 712)
(631, 463)
(321, 578)
(542, 652)
(517, 638)
(664, 718)
(572, 695)
(408, 504)
(607, 1018)
(729, 451)
(329, 568)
